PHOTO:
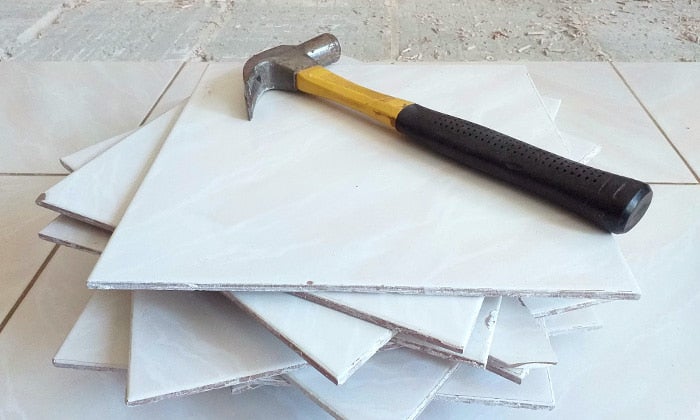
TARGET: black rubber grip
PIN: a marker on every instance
(612, 202)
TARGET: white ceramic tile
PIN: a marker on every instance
(598, 107)
(540, 306)
(585, 319)
(513, 374)
(395, 384)
(64, 230)
(671, 92)
(77, 160)
(188, 342)
(334, 343)
(347, 207)
(472, 385)
(479, 344)
(100, 337)
(366, 338)
(49, 110)
(653, 370)
(445, 321)
(31, 387)
(21, 252)
(99, 192)
(519, 339)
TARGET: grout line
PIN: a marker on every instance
(28, 174)
(165, 90)
(29, 286)
(656, 123)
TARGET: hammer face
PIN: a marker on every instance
(276, 67)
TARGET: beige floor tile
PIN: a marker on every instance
(21, 251)
(598, 107)
(671, 93)
(49, 110)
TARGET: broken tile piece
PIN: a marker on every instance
(82, 194)
(396, 384)
(73, 233)
(519, 339)
(334, 343)
(188, 342)
(544, 306)
(100, 337)
(445, 321)
(585, 319)
(479, 344)
(295, 215)
(472, 385)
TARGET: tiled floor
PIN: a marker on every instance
(642, 363)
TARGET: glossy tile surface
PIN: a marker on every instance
(593, 99)
(101, 190)
(188, 342)
(335, 344)
(279, 211)
(446, 321)
(394, 384)
(21, 252)
(64, 230)
(100, 337)
(670, 92)
(36, 331)
(519, 339)
(472, 385)
(49, 110)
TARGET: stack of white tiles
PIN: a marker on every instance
(309, 247)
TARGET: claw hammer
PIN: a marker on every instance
(612, 202)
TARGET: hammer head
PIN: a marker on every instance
(276, 68)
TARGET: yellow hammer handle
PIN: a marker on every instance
(319, 81)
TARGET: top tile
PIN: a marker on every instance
(309, 197)
(48, 110)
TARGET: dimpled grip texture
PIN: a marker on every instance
(612, 202)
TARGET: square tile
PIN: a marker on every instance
(274, 219)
